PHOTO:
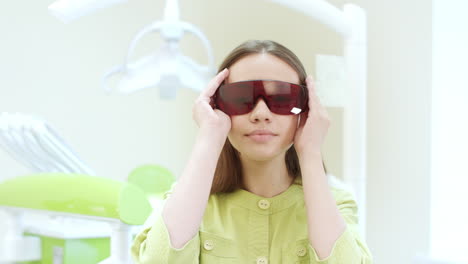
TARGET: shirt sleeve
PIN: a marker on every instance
(349, 247)
(153, 246)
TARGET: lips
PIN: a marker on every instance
(261, 132)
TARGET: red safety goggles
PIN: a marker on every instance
(240, 98)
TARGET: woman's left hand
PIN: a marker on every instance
(314, 124)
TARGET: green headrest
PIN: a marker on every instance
(77, 194)
(155, 180)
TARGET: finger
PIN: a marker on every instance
(215, 83)
(311, 89)
(303, 119)
(314, 100)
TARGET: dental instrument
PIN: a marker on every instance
(57, 148)
(37, 145)
(43, 129)
(15, 143)
(36, 150)
(5, 143)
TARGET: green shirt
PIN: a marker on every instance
(241, 227)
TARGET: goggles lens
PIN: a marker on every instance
(282, 98)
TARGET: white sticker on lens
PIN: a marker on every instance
(296, 110)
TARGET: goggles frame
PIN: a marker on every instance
(240, 98)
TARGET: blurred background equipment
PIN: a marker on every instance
(37, 145)
(63, 212)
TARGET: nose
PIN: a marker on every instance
(260, 112)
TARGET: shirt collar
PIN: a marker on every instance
(263, 205)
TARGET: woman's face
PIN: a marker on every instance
(254, 67)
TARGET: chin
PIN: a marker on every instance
(260, 154)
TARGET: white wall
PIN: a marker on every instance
(54, 70)
(449, 218)
(399, 93)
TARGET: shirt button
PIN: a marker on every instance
(301, 251)
(208, 245)
(264, 204)
(262, 260)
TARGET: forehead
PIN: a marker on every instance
(262, 66)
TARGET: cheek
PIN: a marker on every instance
(237, 127)
(236, 134)
(235, 124)
(291, 125)
(289, 131)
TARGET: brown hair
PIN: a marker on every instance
(228, 173)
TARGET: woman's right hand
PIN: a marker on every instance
(203, 113)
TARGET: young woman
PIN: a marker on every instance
(255, 189)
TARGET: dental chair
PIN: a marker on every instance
(117, 206)
(61, 213)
